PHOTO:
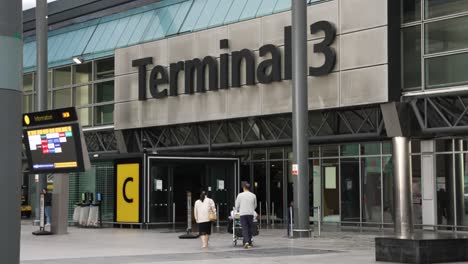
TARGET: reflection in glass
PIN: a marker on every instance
(259, 187)
(371, 190)
(105, 68)
(258, 154)
(446, 35)
(330, 150)
(349, 150)
(276, 191)
(27, 82)
(62, 98)
(160, 193)
(84, 116)
(370, 149)
(245, 172)
(314, 151)
(411, 10)
(444, 181)
(436, 8)
(388, 201)
(276, 153)
(315, 186)
(387, 147)
(82, 95)
(415, 146)
(104, 92)
(104, 114)
(444, 145)
(411, 51)
(331, 191)
(49, 100)
(83, 73)
(459, 182)
(350, 190)
(417, 191)
(447, 70)
(463, 192)
(62, 76)
(28, 103)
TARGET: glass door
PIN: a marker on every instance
(259, 187)
(276, 191)
(331, 190)
(160, 206)
(221, 179)
(350, 197)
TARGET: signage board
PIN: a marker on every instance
(295, 170)
(128, 193)
(53, 142)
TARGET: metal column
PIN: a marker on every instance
(402, 189)
(11, 65)
(459, 183)
(59, 225)
(41, 75)
(300, 118)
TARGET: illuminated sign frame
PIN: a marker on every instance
(50, 120)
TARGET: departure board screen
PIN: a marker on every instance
(54, 148)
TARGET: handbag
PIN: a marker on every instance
(211, 215)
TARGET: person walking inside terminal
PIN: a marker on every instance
(205, 213)
(47, 205)
(246, 203)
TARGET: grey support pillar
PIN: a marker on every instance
(41, 76)
(59, 224)
(402, 188)
(428, 183)
(11, 65)
(41, 36)
(398, 126)
(459, 182)
(300, 118)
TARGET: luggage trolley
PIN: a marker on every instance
(235, 227)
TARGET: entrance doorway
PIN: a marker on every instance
(170, 178)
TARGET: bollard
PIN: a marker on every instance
(173, 215)
(260, 216)
(291, 222)
(267, 208)
(319, 219)
(273, 217)
(217, 216)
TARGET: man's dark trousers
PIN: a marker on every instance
(247, 225)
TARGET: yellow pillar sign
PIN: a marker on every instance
(128, 193)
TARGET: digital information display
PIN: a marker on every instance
(54, 148)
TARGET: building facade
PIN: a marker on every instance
(198, 94)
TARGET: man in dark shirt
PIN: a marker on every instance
(47, 205)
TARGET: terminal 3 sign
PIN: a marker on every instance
(267, 71)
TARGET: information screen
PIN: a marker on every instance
(53, 149)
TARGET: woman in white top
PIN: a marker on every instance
(203, 207)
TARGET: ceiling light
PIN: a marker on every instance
(78, 60)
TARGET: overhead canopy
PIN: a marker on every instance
(100, 37)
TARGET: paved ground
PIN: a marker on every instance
(134, 246)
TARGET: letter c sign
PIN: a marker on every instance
(124, 190)
(127, 194)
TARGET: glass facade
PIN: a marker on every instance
(351, 183)
(434, 44)
(89, 87)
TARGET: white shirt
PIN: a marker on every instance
(202, 210)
